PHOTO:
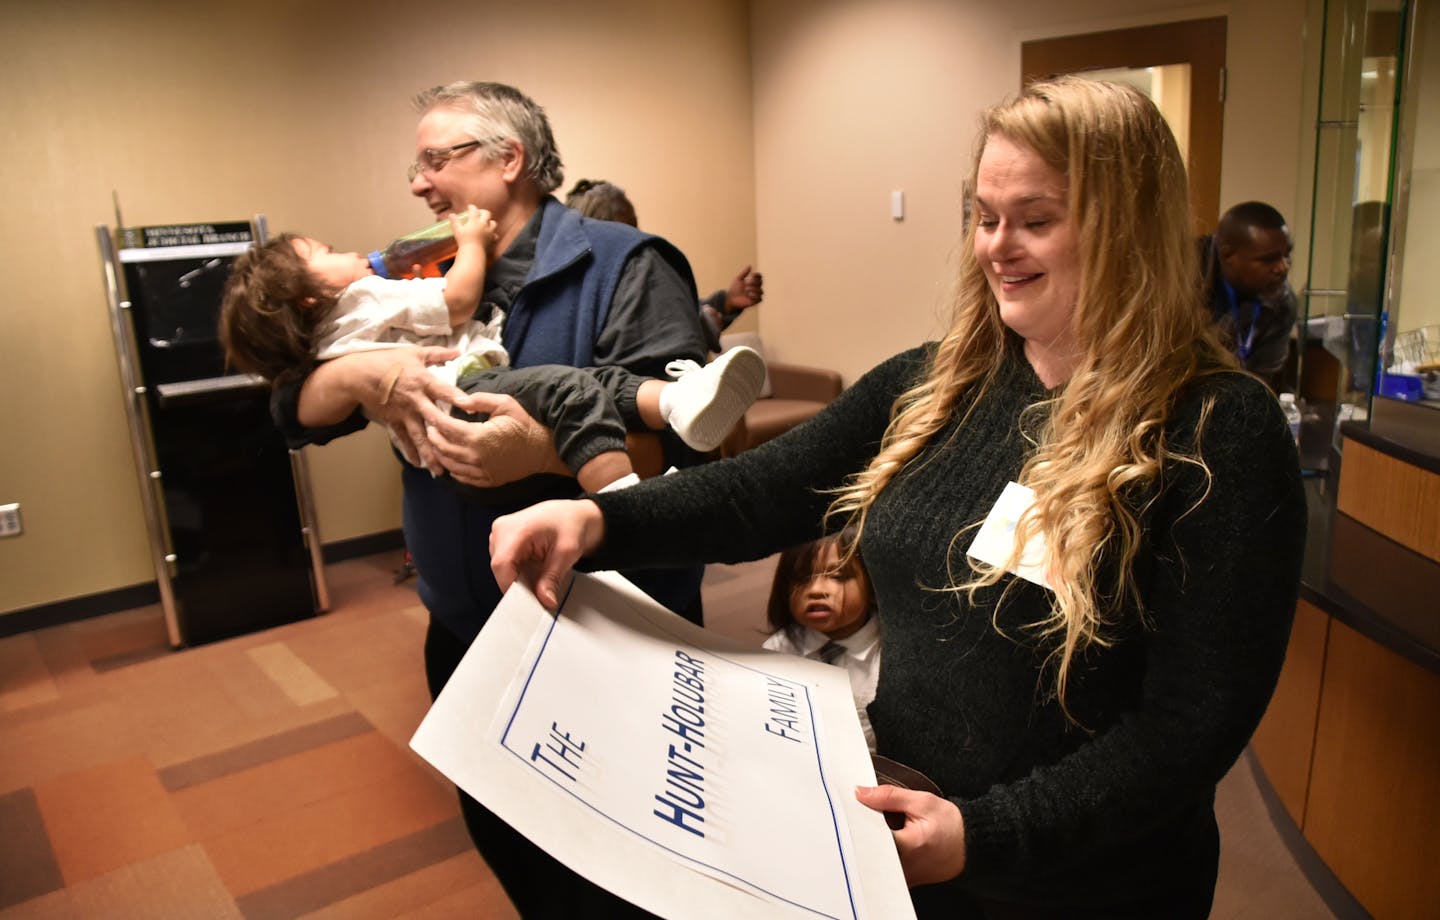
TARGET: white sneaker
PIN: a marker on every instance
(704, 403)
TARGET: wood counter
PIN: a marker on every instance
(1351, 741)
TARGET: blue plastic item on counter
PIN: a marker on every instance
(1408, 387)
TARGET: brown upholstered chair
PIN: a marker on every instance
(793, 394)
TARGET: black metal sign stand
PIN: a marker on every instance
(228, 508)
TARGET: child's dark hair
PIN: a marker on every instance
(270, 310)
(796, 567)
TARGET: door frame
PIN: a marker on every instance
(1197, 42)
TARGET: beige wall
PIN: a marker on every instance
(280, 108)
(855, 99)
(203, 112)
(1420, 265)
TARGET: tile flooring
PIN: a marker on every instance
(269, 776)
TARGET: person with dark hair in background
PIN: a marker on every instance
(1083, 528)
(607, 201)
(602, 200)
(579, 292)
(1246, 264)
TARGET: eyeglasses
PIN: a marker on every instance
(433, 160)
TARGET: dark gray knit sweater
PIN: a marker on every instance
(1117, 809)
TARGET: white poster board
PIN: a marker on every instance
(686, 773)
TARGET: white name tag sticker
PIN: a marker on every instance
(995, 541)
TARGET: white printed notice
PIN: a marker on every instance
(685, 772)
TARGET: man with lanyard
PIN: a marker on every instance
(1246, 264)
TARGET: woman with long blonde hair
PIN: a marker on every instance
(1083, 526)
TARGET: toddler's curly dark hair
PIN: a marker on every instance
(270, 311)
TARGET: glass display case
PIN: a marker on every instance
(1370, 342)
(1352, 735)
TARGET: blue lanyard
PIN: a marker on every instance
(1246, 343)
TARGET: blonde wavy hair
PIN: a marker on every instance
(1141, 334)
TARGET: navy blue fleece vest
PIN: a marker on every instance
(565, 302)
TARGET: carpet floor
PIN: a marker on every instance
(269, 776)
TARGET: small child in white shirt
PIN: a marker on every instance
(294, 301)
(823, 609)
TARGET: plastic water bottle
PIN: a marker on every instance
(426, 247)
(1292, 414)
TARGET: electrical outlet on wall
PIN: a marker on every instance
(10, 525)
